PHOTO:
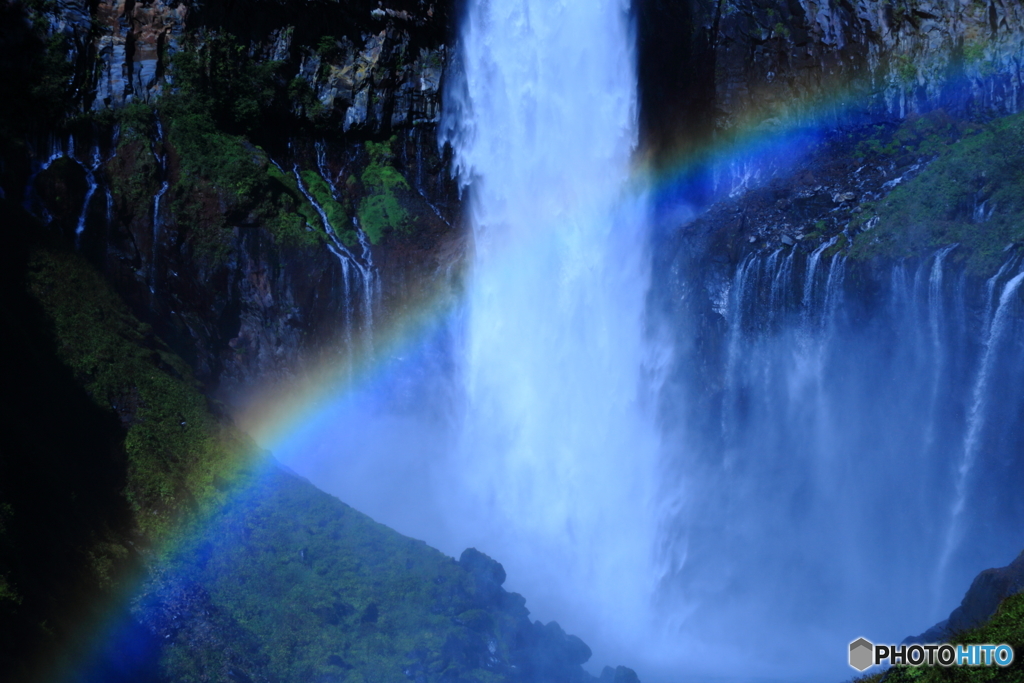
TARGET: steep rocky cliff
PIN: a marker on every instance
(262, 183)
(247, 288)
(772, 62)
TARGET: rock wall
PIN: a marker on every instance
(373, 68)
(261, 309)
(879, 59)
(761, 62)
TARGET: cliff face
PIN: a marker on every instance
(765, 62)
(383, 68)
(216, 165)
(249, 303)
(896, 58)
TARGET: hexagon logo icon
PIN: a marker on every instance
(861, 651)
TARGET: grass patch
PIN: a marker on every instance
(926, 135)
(327, 592)
(1006, 626)
(972, 194)
(179, 456)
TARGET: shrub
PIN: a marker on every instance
(382, 208)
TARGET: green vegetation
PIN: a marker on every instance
(1006, 626)
(336, 214)
(178, 455)
(214, 75)
(324, 591)
(220, 96)
(905, 68)
(972, 194)
(133, 170)
(304, 99)
(280, 580)
(383, 208)
(927, 135)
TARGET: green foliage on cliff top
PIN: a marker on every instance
(179, 456)
(972, 194)
(1006, 626)
(383, 208)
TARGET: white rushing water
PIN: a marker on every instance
(554, 472)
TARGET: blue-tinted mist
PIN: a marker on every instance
(692, 464)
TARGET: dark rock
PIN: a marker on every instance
(370, 614)
(482, 567)
(619, 674)
(743, 60)
(988, 589)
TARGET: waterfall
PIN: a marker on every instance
(809, 278)
(936, 325)
(156, 236)
(555, 472)
(369, 280)
(864, 464)
(977, 415)
(90, 179)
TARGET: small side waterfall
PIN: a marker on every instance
(91, 185)
(358, 274)
(995, 328)
(60, 148)
(157, 230)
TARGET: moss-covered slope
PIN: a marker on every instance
(121, 482)
(1005, 626)
(327, 594)
(970, 192)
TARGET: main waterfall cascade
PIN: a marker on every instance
(554, 464)
(809, 459)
